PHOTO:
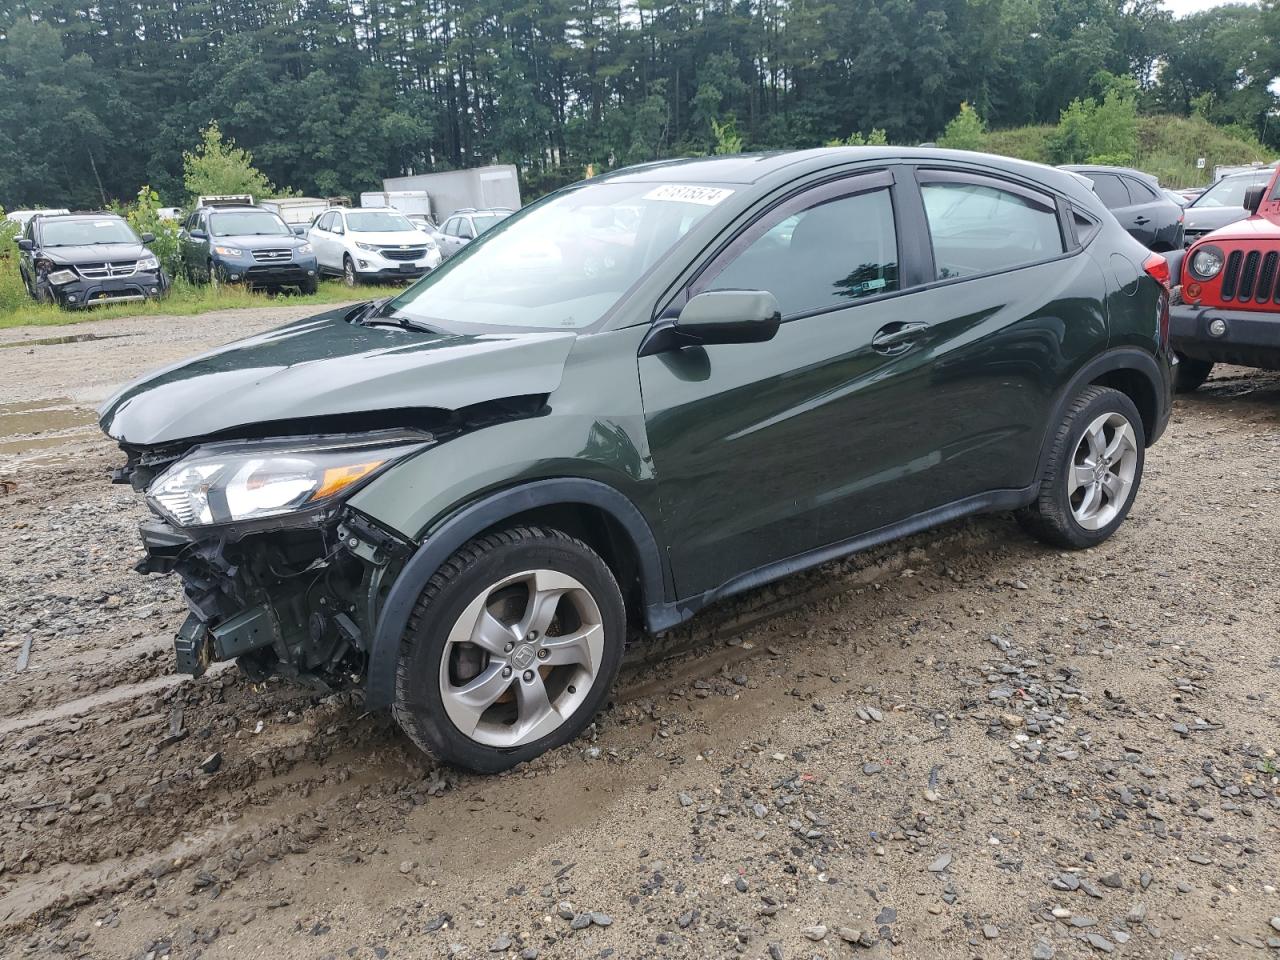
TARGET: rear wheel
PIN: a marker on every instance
(1095, 467)
(511, 649)
(1190, 373)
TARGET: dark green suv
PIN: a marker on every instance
(467, 495)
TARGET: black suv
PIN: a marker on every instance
(86, 260)
(248, 245)
(1138, 202)
(466, 495)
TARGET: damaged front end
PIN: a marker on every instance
(277, 571)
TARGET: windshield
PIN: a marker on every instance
(378, 222)
(73, 233)
(241, 223)
(560, 264)
(1229, 191)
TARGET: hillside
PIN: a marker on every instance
(1167, 147)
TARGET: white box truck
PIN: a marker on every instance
(480, 187)
(297, 211)
(412, 203)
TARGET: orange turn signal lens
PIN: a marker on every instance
(339, 478)
(1192, 291)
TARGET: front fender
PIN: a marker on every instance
(481, 515)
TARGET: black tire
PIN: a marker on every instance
(419, 704)
(349, 275)
(1190, 373)
(1051, 517)
(309, 286)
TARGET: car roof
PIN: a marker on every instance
(235, 208)
(1087, 168)
(81, 215)
(750, 168)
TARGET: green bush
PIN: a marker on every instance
(966, 131)
(12, 290)
(144, 216)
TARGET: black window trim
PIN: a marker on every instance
(923, 175)
(847, 184)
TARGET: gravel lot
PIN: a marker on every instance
(963, 746)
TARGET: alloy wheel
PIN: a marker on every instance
(521, 658)
(349, 273)
(1102, 471)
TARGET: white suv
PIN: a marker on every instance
(371, 243)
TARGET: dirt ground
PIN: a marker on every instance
(965, 745)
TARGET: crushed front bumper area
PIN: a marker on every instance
(297, 602)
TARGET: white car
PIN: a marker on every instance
(371, 243)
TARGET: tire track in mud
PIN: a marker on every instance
(121, 755)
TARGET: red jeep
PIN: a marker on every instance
(1229, 305)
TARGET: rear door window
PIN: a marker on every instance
(1110, 190)
(981, 225)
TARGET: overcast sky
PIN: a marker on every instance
(1180, 8)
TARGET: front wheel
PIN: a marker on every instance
(1190, 373)
(309, 286)
(511, 649)
(1095, 467)
(349, 275)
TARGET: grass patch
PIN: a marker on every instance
(184, 299)
(1168, 147)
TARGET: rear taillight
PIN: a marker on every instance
(1157, 268)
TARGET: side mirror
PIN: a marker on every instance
(717, 316)
(730, 316)
(148, 237)
(26, 244)
(299, 229)
(198, 235)
(1253, 197)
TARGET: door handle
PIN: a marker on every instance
(896, 337)
(1141, 221)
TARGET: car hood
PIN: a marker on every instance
(391, 238)
(254, 241)
(1211, 218)
(95, 253)
(325, 366)
(1253, 228)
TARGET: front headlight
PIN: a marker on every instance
(1207, 262)
(249, 480)
(227, 251)
(61, 276)
(306, 248)
(367, 246)
(148, 263)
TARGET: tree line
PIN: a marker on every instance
(330, 96)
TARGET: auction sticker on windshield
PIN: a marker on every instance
(707, 196)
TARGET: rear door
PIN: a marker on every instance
(1158, 217)
(1112, 189)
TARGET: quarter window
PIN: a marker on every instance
(827, 255)
(978, 227)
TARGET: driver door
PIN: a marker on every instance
(768, 450)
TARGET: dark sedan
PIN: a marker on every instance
(1137, 201)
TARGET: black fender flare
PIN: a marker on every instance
(1118, 358)
(478, 516)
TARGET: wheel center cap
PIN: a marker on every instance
(523, 656)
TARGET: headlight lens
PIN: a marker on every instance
(306, 248)
(227, 251)
(227, 482)
(367, 246)
(148, 263)
(61, 276)
(1207, 262)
